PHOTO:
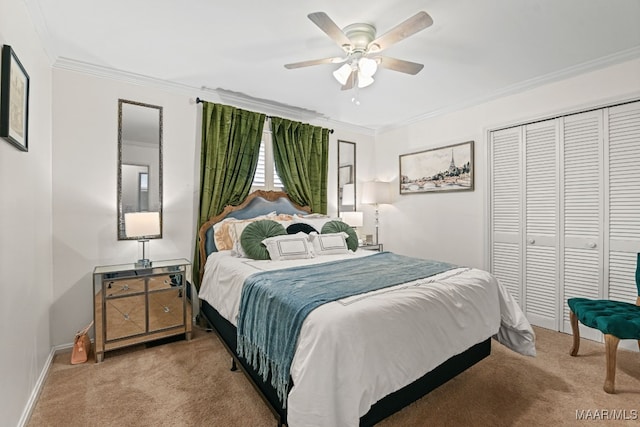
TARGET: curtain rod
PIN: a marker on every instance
(199, 101)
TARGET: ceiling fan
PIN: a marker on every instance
(362, 49)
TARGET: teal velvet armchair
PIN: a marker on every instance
(615, 319)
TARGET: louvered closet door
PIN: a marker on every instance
(541, 213)
(624, 201)
(505, 153)
(582, 209)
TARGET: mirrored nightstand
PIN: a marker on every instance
(134, 304)
(372, 247)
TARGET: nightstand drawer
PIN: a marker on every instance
(166, 309)
(164, 281)
(125, 317)
(119, 287)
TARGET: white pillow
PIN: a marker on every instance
(289, 246)
(317, 221)
(329, 244)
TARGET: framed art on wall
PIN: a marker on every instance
(437, 170)
(14, 100)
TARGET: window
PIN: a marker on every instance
(266, 177)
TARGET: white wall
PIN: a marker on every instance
(25, 227)
(453, 226)
(85, 134)
(84, 185)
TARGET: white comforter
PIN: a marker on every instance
(355, 351)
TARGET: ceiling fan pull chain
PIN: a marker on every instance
(356, 92)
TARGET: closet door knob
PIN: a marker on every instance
(531, 241)
(592, 245)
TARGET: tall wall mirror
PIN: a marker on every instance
(346, 176)
(139, 169)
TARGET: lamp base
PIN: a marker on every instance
(143, 263)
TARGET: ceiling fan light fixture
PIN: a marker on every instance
(364, 80)
(342, 74)
(368, 66)
(359, 40)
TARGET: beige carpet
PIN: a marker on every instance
(188, 383)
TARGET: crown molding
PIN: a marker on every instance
(605, 61)
(236, 99)
(40, 25)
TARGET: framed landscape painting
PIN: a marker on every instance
(438, 170)
(14, 100)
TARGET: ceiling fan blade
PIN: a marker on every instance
(401, 65)
(351, 81)
(409, 27)
(334, 60)
(325, 23)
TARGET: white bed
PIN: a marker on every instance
(355, 351)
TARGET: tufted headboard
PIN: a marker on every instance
(257, 203)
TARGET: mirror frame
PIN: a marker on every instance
(353, 175)
(120, 214)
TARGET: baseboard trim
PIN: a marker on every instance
(37, 388)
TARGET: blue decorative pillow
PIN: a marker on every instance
(253, 235)
(300, 228)
(339, 226)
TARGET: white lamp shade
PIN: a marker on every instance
(364, 80)
(348, 194)
(353, 219)
(376, 192)
(367, 66)
(140, 224)
(342, 74)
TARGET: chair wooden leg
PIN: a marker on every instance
(611, 346)
(576, 333)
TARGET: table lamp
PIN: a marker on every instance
(376, 193)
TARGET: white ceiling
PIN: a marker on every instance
(475, 50)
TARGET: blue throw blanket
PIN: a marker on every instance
(274, 304)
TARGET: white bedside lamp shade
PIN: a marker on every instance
(376, 193)
(140, 224)
(353, 219)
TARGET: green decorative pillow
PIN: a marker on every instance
(337, 227)
(253, 235)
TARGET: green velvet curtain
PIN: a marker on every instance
(229, 155)
(301, 156)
